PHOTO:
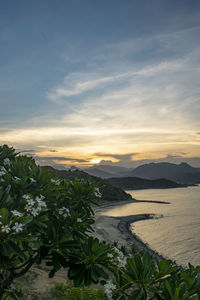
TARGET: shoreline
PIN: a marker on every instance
(117, 229)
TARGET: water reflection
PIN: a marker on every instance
(177, 234)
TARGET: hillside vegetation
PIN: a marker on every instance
(134, 183)
(108, 190)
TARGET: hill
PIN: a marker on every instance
(107, 171)
(108, 190)
(98, 172)
(135, 183)
(182, 173)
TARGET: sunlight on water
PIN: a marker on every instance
(176, 235)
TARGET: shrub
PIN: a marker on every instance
(66, 292)
(44, 218)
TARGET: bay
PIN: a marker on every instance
(175, 230)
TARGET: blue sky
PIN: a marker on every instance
(85, 81)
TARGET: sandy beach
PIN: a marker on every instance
(117, 229)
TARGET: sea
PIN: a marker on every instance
(174, 232)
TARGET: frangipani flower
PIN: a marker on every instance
(97, 193)
(16, 213)
(56, 182)
(32, 180)
(18, 227)
(6, 162)
(5, 228)
(109, 287)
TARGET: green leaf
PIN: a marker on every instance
(4, 213)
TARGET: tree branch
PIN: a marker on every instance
(12, 293)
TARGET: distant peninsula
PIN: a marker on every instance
(135, 183)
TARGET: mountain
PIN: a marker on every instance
(182, 173)
(108, 190)
(107, 171)
(135, 183)
(98, 172)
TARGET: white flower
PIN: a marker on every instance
(121, 259)
(30, 202)
(28, 208)
(97, 193)
(109, 287)
(35, 211)
(26, 197)
(5, 228)
(6, 161)
(64, 211)
(42, 203)
(18, 227)
(16, 213)
(4, 170)
(110, 255)
(56, 182)
(32, 180)
(2, 173)
(79, 220)
(17, 178)
(65, 215)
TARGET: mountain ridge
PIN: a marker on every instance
(181, 173)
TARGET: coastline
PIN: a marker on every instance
(117, 229)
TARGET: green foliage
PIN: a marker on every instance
(145, 278)
(108, 190)
(41, 217)
(15, 292)
(66, 292)
(87, 264)
(44, 218)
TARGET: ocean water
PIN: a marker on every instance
(175, 231)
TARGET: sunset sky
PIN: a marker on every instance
(85, 81)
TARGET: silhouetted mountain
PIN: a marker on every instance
(98, 172)
(182, 173)
(107, 171)
(135, 183)
(109, 191)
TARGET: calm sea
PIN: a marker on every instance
(176, 232)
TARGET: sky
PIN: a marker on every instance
(84, 82)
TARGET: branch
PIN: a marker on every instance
(24, 264)
(23, 271)
(13, 294)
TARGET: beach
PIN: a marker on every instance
(117, 229)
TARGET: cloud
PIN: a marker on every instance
(78, 83)
(171, 158)
(120, 157)
(26, 151)
(60, 158)
(139, 96)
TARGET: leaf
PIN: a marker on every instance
(4, 215)
(17, 250)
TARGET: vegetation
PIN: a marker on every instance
(67, 292)
(134, 183)
(109, 191)
(46, 219)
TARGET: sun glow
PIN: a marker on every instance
(95, 161)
